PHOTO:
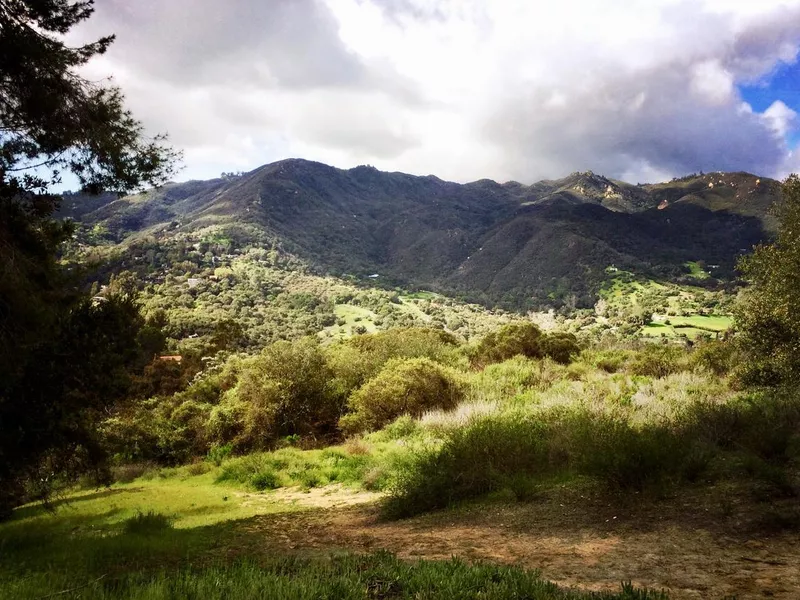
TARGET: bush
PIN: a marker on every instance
(483, 457)
(561, 347)
(265, 480)
(403, 387)
(610, 361)
(657, 361)
(525, 339)
(625, 457)
(513, 452)
(716, 356)
(359, 359)
(283, 391)
(218, 453)
(149, 523)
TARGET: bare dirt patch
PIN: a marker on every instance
(331, 496)
(684, 547)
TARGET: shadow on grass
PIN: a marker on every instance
(236, 560)
(38, 508)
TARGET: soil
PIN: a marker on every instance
(710, 545)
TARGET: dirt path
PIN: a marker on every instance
(582, 542)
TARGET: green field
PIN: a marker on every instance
(696, 271)
(706, 323)
(692, 327)
(353, 317)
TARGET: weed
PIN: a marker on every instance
(265, 480)
(218, 453)
(149, 523)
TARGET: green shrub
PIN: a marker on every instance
(625, 457)
(718, 357)
(514, 339)
(265, 480)
(487, 455)
(657, 361)
(218, 453)
(403, 387)
(609, 361)
(283, 391)
(513, 451)
(765, 424)
(149, 523)
(524, 339)
(561, 347)
(359, 359)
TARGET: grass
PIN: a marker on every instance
(351, 318)
(358, 464)
(345, 577)
(189, 501)
(667, 432)
(707, 323)
(696, 271)
(103, 544)
(421, 295)
(693, 326)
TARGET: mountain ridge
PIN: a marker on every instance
(508, 243)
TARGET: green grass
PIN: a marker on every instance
(696, 271)
(421, 295)
(195, 542)
(353, 317)
(693, 326)
(188, 501)
(361, 464)
(708, 323)
(345, 577)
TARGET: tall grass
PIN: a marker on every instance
(380, 575)
(760, 434)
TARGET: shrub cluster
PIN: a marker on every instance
(525, 339)
(759, 434)
(292, 389)
(404, 387)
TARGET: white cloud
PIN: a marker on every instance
(780, 118)
(465, 89)
(712, 83)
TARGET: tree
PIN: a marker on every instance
(61, 355)
(768, 314)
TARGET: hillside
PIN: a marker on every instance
(511, 244)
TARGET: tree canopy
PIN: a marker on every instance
(768, 318)
(62, 357)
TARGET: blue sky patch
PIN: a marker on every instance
(783, 84)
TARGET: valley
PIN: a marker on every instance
(294, 403)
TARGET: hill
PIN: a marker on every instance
(516, 245)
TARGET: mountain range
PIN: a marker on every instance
(511, 244)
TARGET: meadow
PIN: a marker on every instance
(636, 420)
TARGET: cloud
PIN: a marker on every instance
(465, 89)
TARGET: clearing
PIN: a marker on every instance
(700, 545)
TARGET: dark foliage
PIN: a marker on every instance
(510, 245)
(525, 339)
(62, 358)
(768, 319)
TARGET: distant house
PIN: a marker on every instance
(373, 276)
(193, 282)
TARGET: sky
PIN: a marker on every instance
(639, 90)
